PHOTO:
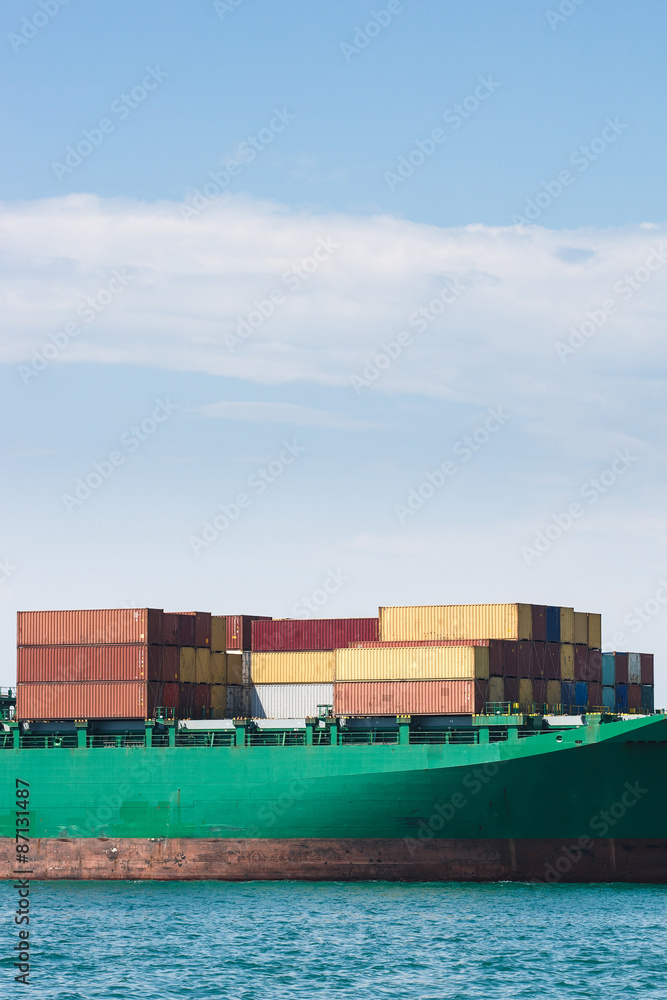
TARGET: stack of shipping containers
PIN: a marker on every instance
(293, 663)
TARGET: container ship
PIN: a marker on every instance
(446, 742)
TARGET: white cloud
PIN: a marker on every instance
(194, 281)
(281, 413)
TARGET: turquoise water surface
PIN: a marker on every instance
(311, 941)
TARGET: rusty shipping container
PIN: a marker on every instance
(73, 628)
(646, 667)
(292, 634)
(457, 621)
(172, 632)
(239, 630)
(62, 700)
(128, 662)
(412, 663)
(444, 697)
(293, 668)
(195, 628)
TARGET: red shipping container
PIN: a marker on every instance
(539, 617)
(56, 700)
(551, 667)
(593, 667)
(539, 692)
(510, 654)
(73, 628)
(298, 634)
(409, 697)
(172, 635)
(635, 697)
(512, 689)
(186, 629)
(580, 662)
(195, 628)
(97, 663)
(646, 660)
(496, 658)
(194, 700)
(621, 662)
(239, 630)
(405, 643)
(595, 695)
(531, 658)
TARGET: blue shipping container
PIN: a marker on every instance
(621, 697)
(581, 694)
(609, 697)
(553, 624)
(567, 695)
(647, 697)
(608, 669)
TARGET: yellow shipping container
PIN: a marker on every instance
(293, 668)
(218, 668)
(403, 663)
(456, 621)
(234, 668)
(187, 665)
(526, 694)
(219, 696)
(595, 631)
(496, 689)
(553, 693)
(567, 624)
(218, 633)
(566, 662)
(580, 627)
(203, 666)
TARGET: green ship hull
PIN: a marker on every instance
(581, 804)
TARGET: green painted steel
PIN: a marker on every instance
(603, 779)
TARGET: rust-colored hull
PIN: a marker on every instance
(632, 860)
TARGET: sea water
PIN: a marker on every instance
(353, 941)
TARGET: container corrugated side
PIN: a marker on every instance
(238, 701)
(239, 630)
(567, 625)
(58, 700)
(594, 631)
(647, 668)
(127, 662)
(293, 668)
(73, 628)
(219, 699)
(289, 701)
(444, 697)
(412, 663)
(405, 643)
(456, 621)
(297, 634)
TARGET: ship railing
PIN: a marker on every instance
(276, 738)
(115, 740)
(203, 738)
(356, 737)
(42, 741)
(444, 736)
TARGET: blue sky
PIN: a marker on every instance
(432, 221)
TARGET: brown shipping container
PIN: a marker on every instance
(539, 622)
(567, 624)
(580, 662)
(511, 690)
(218, 668)
(172, 634)
(496, 690)
(634, 697)
(593, 667)
(510, 654)
(218, 633)
(594, 695)
(92, 699)
(539, 691)
(195, 628)
(621, 664)
(202, 666)
(647, 667)
(409, 697)
(456, 621)
(187, 665)
(74, 628)
(239, 630)
(594, 631)
(235, 668)
(131, 662)
(186, 630)
(552, 662)
(286, 634)
(194, 700)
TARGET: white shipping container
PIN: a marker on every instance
(288, 701)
